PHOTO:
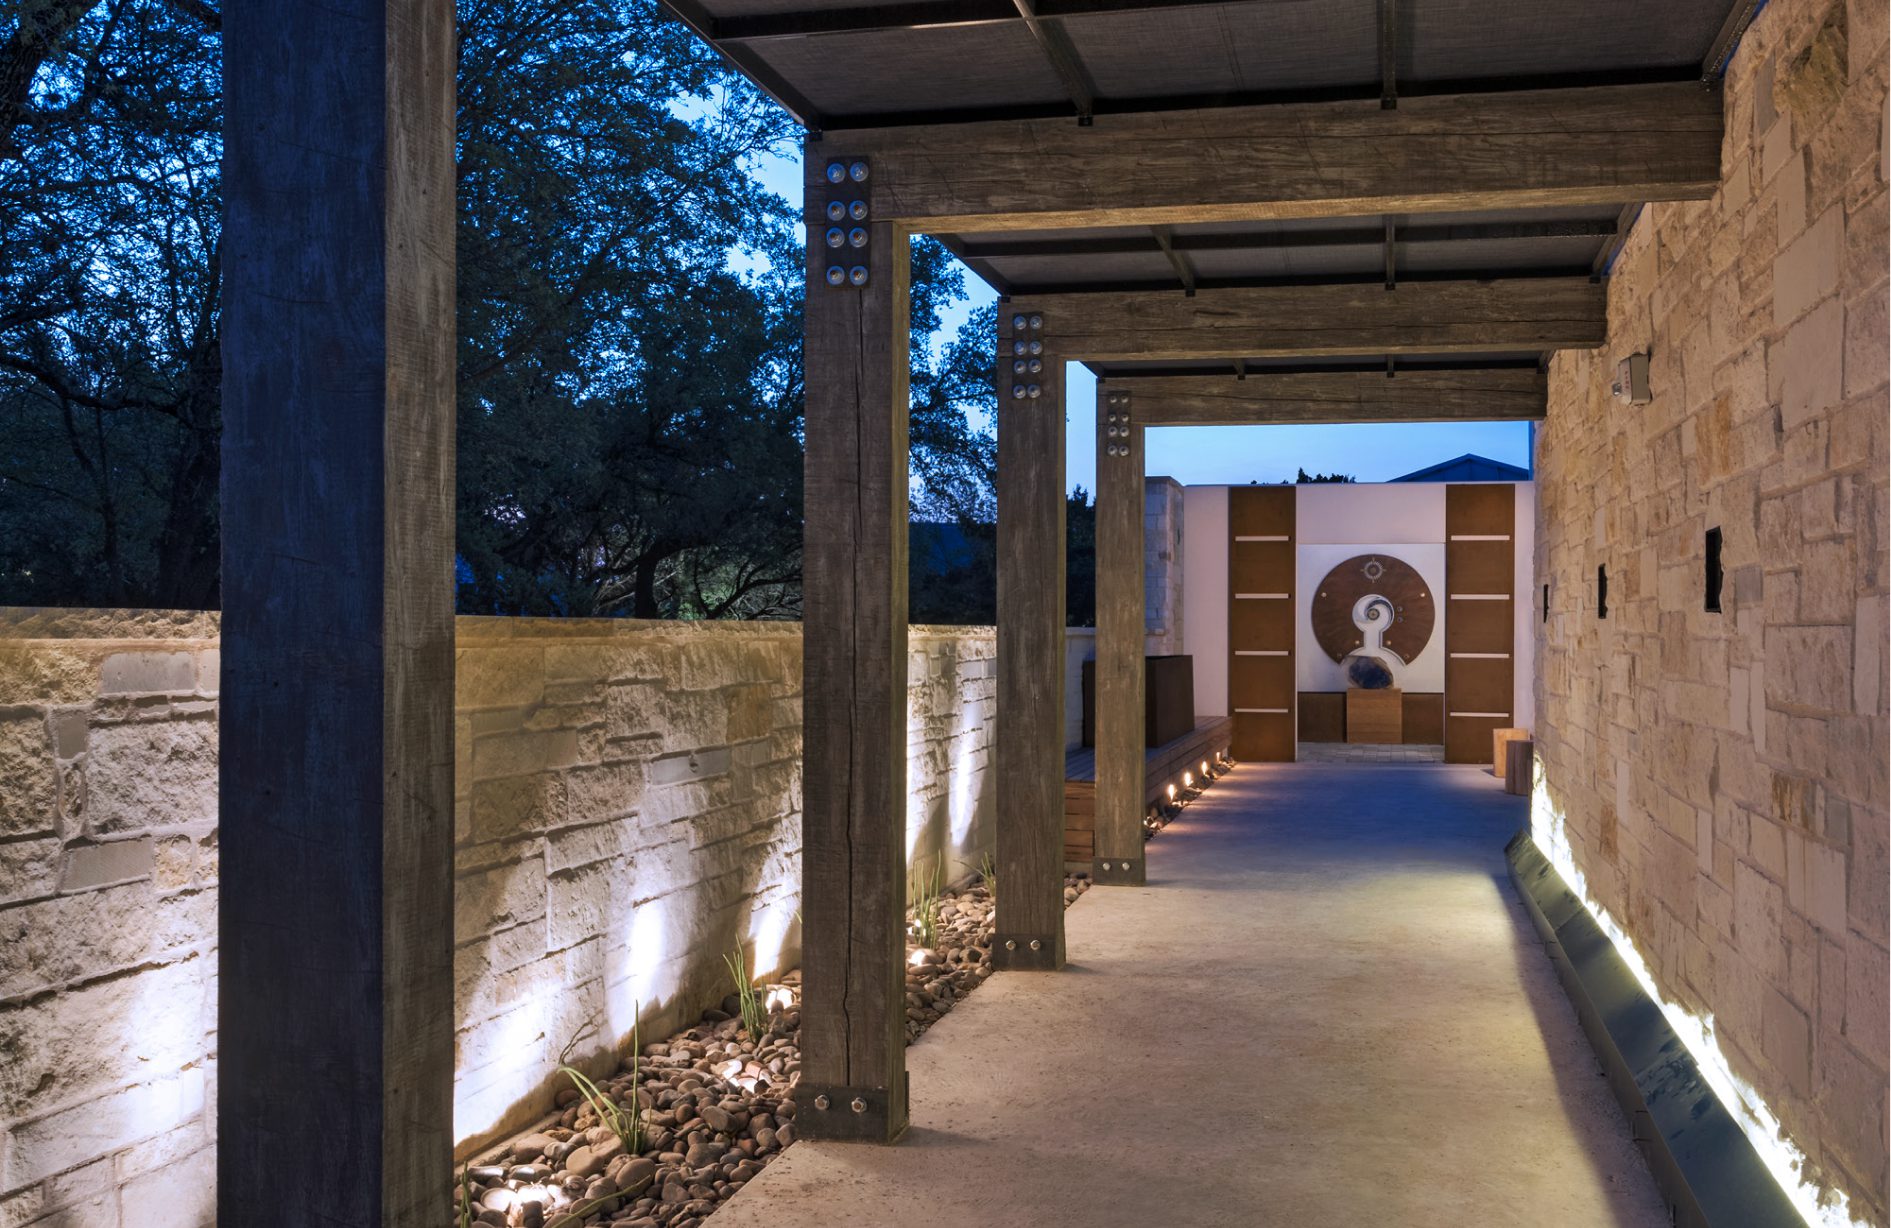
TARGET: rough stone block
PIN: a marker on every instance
(498, 897)
(71, 938)
(506, 676)
(182, 1194)
(27, 779)
(157, 774)
(98, 1127)
(1809, 668)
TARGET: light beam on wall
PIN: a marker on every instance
(1821, 1207)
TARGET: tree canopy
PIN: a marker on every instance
(629, 368)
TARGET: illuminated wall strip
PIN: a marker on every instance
(1495, 716)
(1260, 652)
(1263, 711)
(1783, 1158)
(1260, 537)
(1262, 596)
(1480, 537)
(1480, 596)
(1481, 656)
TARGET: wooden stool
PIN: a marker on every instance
(1499, 738)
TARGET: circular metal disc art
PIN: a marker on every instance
(1337, 601)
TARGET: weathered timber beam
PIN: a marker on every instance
(1584, 146)
(1029, 746)
(335, 772)
(925, 15)
(1079, 244)
(853, 694)
(1500, 394)
(1438, 317)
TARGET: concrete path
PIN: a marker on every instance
(1327, 1008)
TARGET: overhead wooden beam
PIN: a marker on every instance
(1579, 146)
(853, 781)
(1739, 16)
(919, 15)
(1079, 244)
(1419, 317)
(1121, 640)
(1063, 57)
(1605, 256)
(335, 774)
(1030, 735)
(1494, 395)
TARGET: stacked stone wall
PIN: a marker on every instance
(1721, 777)
(627, 814)
(108, 921)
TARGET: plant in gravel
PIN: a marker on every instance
(925, 925)
(988, 870)
(627, 1126)
(466, 1196)
(754, 1016)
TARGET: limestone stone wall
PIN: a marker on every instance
(1720, 778)
(629, 805)
(628, 812)
(1162, 566)
(108, 926)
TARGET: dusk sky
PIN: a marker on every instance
(1237, 455)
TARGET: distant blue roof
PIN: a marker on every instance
(1467, 468)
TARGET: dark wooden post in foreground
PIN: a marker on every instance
(336, 909)
(853, 857)
(1120, 722)
(1030, 758)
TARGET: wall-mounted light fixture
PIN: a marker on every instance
(1631, 380)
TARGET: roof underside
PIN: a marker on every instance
(840, 64)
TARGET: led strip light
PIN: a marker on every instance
(1819, 1206)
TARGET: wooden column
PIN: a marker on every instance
(853, 1020)
(335, 916)
(1120, 721)
(1030, 750)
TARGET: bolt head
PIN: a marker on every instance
(1011, 944)
(1036, 945)
(822, 1102)
(859, 1105)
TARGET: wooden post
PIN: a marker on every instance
(335, 915)
(853, 905)
(1030, 758)
(1120, 640)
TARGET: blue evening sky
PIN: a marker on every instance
(1237, 455)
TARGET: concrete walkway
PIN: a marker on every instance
(1327, 1008)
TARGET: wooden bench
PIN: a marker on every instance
(1162, 766)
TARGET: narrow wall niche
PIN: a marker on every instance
(1602, 590)
(1714, 573)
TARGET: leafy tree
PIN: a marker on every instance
(109, 361)
(1304, 478)
(630, 379)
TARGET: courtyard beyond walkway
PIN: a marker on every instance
(1327, 1007)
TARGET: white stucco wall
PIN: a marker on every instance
(1205, 601)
